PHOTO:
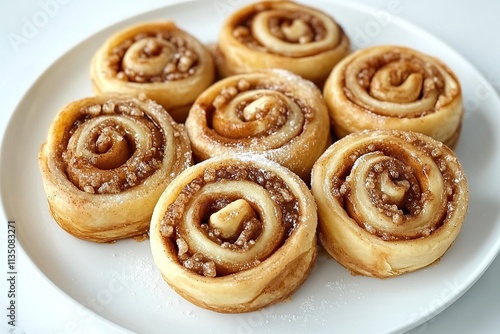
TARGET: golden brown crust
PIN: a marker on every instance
(105, 163)
(158, 59)
(389, 202)
(235, 233)
(270, 112)
(280, 34)
(395, 87)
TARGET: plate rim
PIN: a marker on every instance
(471, 279)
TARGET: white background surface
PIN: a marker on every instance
(45, 29)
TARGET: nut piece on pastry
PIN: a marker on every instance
(280, 34)
(105, 163)
(235, 233)
(389, 202)
(395, 87)
(158, 59)
(271, 112)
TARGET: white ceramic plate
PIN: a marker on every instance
(120, 283)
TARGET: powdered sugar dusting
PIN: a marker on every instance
(144, 285)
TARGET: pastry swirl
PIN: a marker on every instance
(271, 112)
(389, 202)
(158, 59)
(281, 34)
(395, 87)
(235, 233)
(105, 163)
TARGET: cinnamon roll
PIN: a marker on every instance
(271, 112)
(395, 87)
(389, 201)
(105, 163)
(158, 59)
(235, 233)
(280, 34)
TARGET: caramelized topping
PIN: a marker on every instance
(112, 147)
(394, 77)
(297, 31)
(245, 110)
(290, 26)
(395, 188)
(258, 109)
(228, 221)
(154, 57)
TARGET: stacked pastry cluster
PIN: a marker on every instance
(237, 159)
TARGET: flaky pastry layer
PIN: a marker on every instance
(235, 233)
(389, 202)
(105, 163)
(280, 34)
(395, 87)
(157, 59)
(273, 112)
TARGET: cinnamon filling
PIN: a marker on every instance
(290, 26)
(228, 221)
(394, 190)
(154, 57)
(396, 77)
(261, 112)
(104, 155)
